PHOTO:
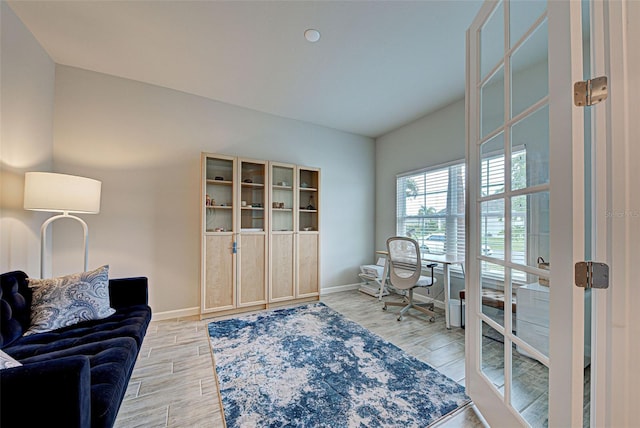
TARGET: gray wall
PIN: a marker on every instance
(144, 143)
(25, 141)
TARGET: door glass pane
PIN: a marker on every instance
(530, 150)
(492, 103)
(492, 285)
(492, 166)
(492, 41)
(492, 230)
(530, 380)
(492, 355)
(282, 199)
(530, 71)
(219, 195)
(530, 389)
(252, 196)
(530, 228)
(522, 15)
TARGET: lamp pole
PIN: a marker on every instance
(43, 239)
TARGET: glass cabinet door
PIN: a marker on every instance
(218, 195)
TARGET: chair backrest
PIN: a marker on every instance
(404, 262)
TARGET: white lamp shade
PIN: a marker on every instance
(46, 191)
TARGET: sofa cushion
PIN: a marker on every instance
(68, 300)
(129, 322)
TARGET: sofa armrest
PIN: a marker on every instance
(40, 393)
(124, 292)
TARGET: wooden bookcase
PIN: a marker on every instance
(260, 234)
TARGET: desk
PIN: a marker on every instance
(445, 260)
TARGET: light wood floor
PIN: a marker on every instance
(173, 383)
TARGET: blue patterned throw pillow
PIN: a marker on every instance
(68, 300)
(6, 361)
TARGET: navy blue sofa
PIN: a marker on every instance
(74, 376)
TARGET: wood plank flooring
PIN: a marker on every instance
(173, 383)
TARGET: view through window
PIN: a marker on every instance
(430, 208)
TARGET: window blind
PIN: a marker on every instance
(430, 208)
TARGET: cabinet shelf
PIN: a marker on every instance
(220, 182)
(257, 185)
(252, 208)
(308, 211)
(308, 189)
(277, 187)
(219, 207)
(282, 209)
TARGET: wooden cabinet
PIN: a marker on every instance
(282, 238)
(308, 245)
(218, 290)
(260, 234)
(251, 239)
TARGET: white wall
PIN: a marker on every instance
(144, 143)
(27, 84)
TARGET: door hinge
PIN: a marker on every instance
(590, 92)
(592, 275)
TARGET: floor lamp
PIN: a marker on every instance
(65, 194)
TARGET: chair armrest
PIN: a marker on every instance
(40, 393)
(125, 292)
(431, 266)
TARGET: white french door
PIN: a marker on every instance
(526, 200)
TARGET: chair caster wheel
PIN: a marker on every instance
(399, 318)
(384, 308)
(432, 319)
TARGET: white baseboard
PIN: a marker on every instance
(339, 288)
(190, 312)
(178, 313)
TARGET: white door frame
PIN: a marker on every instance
(616, 336)
(566, 351)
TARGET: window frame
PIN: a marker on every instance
(447, 217)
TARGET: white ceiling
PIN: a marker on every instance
(377, 66)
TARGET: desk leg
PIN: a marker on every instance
(385, 273)
(445, 268)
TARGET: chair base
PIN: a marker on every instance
(426, 308)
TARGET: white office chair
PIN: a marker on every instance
(405, 273)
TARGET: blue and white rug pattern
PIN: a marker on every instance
(309, 366)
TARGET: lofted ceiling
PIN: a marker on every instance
(377, 66)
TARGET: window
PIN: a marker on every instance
(430, 208)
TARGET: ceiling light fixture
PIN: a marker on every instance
(312, 35)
